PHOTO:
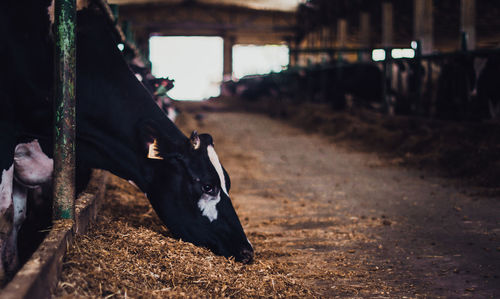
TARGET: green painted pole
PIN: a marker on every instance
(64, 108)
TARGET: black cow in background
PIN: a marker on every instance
(157, 81)
(338, 85)
(143, 74)
(153, 85)
(341, 85)
(456, 82)
(488, 87)
(403, 88)
(358, 84)
(119, 127)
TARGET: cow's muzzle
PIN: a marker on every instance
(246, 256)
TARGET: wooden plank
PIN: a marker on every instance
(228, 57)
(468, 22)
(423, 24)
(364, 29)
(341, 33)
(387, 25)
(248, 26)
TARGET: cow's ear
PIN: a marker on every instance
(151, 141)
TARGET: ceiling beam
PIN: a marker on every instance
(210, 20)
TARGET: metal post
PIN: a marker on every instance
(364, 36)
(423, 24)
(229, 42)
(468, 23)
(64, 108)
(463, 41)
(389, 109)
(387, 25)
(385, 83)
(417, 105)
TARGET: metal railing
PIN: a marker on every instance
(336, 58)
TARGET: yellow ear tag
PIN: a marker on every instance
(153, 152)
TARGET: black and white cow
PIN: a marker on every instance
(414, 86)
(31, 169)
(119, 127)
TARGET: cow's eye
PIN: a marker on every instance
(209, 189)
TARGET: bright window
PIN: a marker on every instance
(194, 62)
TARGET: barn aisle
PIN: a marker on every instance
(355, 224)
(325, 221)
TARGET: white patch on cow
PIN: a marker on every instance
(171, 114)
(6, 189)
(212, 155)
(10, 251)
(15, 195)
(207, 205)
(250, 243)
(19, 197)
(6, 224)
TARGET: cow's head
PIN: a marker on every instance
(189, 191)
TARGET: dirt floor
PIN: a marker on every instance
(326, 220)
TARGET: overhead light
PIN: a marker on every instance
(121, 46)
(403, 53)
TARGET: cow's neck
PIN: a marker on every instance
(111, 104)
(112, 142)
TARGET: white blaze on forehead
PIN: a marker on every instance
(212, 155)
(207, 205)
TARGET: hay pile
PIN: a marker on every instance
(130, 254)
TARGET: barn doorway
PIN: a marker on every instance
(195, 62)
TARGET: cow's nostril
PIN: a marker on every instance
(246, 256)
